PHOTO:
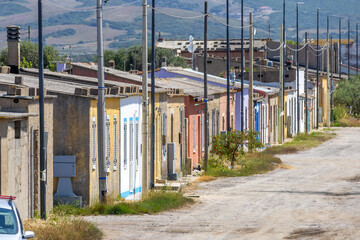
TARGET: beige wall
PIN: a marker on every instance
(15, 174)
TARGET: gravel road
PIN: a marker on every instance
(317, 199)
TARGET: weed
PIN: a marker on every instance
(154, 202)
(205, 178)
(265, 161)
(63, 228)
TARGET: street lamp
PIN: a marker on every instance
(297, 64)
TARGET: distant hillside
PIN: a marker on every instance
(73, 22)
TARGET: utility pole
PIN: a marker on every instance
(281, 81)
(340, 48)
(206, 120)
(348, 48)
(283, 62)
(228, 68)
(152, 145)
(42, 121)
(317, 68)
(145, 104)
(357, 48)
(332, 78)
(269, 29)
(306, 82)
(297, 69)
(251, 75)
(242, 66)
(328, 122)
(101, 104)
(29, 33)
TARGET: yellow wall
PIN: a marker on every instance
(323, 99)
(157, 165)
(112, 106)
(173, 104)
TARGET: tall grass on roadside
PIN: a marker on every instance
(342, 118)
(301, 142)
(156, 201)
(63, 228)
(265, 161)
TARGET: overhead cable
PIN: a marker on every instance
(232, 26)
(181, 17)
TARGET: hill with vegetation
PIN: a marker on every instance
(73, 22)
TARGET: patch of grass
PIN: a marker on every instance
(63, 228)
(156, 201)
(205, 178)
(265, 161)
(252, 163)
(301, 142)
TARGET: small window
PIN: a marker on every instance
(115, 143)
(125, 143)
(137, 142)
(131, 142)
(107, 143)
(17, 129)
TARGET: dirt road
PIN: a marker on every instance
(318, 199)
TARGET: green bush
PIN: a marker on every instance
(347, 94)
(232, 144)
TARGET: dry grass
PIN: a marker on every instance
(63, 228)
(349, 122)
(285, 166)
(205, 178)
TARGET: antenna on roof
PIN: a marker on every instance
(191, 49)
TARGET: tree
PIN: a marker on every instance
(131, 58)
(231, 144)
(3, 56)
(348, 94)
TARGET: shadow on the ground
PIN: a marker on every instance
(315, 193)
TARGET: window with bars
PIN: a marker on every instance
(107, 143)
(93, 147)
(115, 143)
(131, 142)
(137, 143)
(125, 143)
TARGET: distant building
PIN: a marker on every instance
(215, 47)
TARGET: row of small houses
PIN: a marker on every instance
(71, 126)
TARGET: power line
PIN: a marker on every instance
(181, 17)
(90, 9)
(232, 26)
(298, 50)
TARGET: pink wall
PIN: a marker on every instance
(223, 110)
(192, 111)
